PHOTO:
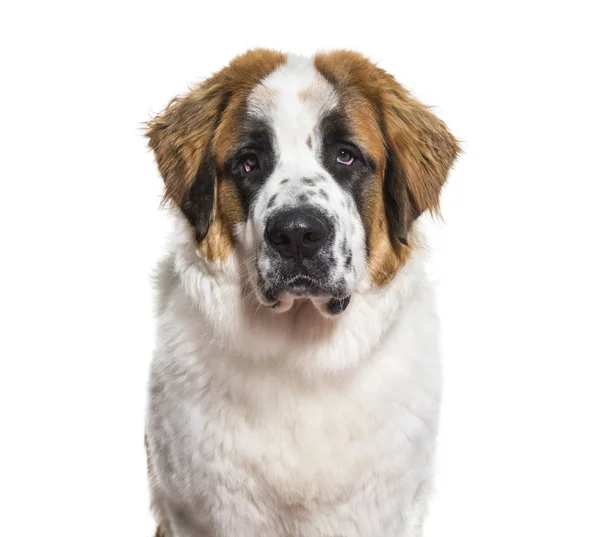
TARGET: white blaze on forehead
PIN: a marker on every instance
(292, 99)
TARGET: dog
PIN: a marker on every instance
(295, 386)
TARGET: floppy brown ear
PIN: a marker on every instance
(181, 138)
(421, 151)
(194, 131)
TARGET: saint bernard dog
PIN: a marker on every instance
(295, 387)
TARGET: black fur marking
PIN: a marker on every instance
(284, 181)
(357, 177)
(198, 203)
(349, 260)
(309, 181)
(324, 194)
(256, 139)
(399, 206)
(272, 201)
(302, 198)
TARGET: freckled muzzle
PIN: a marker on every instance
(299, 246)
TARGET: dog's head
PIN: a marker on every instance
(311, 171)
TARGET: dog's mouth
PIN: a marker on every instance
(304, 286)
(280, 295)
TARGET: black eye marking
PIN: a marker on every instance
(357, 178)
(323, 194)
(252, 161)
(272, 201)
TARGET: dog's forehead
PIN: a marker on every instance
(292, 100)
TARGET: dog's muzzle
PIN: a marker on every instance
(297, 234)
(300, 245)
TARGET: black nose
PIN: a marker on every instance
(296, 233)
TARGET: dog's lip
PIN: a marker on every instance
(335, 306)
(303, 286)
(301, 278)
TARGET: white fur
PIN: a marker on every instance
(270, 424)
(292, 100)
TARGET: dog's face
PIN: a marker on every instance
(297, 167)
(310, 171)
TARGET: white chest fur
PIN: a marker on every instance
(261, 449)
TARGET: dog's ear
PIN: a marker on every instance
(421, 151)
(181, 138)
(190, 137)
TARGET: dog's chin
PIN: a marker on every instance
(281, 299)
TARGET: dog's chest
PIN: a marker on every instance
(288, 450)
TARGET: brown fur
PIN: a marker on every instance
(383, 115)
(203, 123)
(387, 118)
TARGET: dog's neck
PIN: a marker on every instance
(222, 304)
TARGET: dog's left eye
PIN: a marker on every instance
(345, 157)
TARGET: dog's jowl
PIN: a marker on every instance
(295, 387)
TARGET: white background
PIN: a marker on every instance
(516, 259)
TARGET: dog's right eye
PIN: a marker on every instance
(250, 163)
